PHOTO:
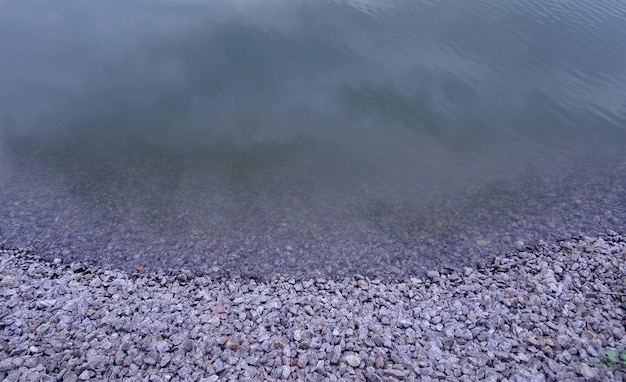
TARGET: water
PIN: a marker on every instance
(327, 137)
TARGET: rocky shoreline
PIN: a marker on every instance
(546, 313)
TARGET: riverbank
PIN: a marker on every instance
(544, 313)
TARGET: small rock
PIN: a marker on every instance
(285, 372)
(395, 373)
(302, 360)
(465, 334)
(335, 354)
(533, 341)
(232, 344)
(165, 360)
(379, 362)
(564, 341)
(587, 372)
(218, 309)
(297, 335)
(432, 274)
(567, 356)
(187, 346)
(7, 281)
(62, 333)
(162, 346)
(482, 242)
(85, 375)
(353, 360)
(308, 310)
(373, 378)
(6, 365)
(44, 304)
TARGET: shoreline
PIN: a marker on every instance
(276, 221)
(546, 313)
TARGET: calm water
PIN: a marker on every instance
(309, 136)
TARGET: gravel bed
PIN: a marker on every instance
(279, 210)
(545, 313)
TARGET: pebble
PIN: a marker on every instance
(7, 281)
(297, 335)
(353, 360)
(494, 323)
(432, 274)
(379, 362)
(162, 346)
(395, 373)
(84, 375)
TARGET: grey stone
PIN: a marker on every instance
(433, 274)
(395, 373)
(69, 377)
(6, 364)
(187, 346)
(162, 346)
(335, 354)
(465, 334)
(285, 371)
(165, 360)
(44, 304)
(353, 360)
(7, 281)
(372, 377)
(297, 335)
(85, 375)
(587, 372)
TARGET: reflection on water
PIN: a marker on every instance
(356, 133)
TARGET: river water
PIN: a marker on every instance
(246, 137)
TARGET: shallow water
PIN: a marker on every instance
(327, 137)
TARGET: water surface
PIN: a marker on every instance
(326, 137)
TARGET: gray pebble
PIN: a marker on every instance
(85, 375)
(7, 281)
(353, 360)
(433, 274)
